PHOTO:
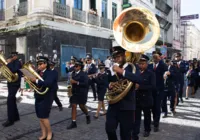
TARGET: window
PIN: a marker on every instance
(104, 8)
(114, 11)
(63, 2)
(125, 1)
(78, 4)
(93, 4)
(1, 4)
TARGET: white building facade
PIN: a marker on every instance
(190, 40)
(58, 29)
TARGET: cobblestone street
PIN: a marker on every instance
(184, 126)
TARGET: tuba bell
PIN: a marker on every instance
(39, 90)
(5, 71)
(136, 30)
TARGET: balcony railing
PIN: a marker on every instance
(93, 19)
(163, 6)
(61, 10)
(2, 15)
(22, 9)
(105, 23)
(78, 15)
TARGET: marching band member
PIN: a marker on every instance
(169, 88)
(43, 103)
(121, 112)
(14, 65)
(102, 85)
(55, 73)
(144, 98)
(71, 69)
(91, 69)
(159, 68)
(79, 83)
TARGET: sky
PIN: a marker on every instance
(190, 7)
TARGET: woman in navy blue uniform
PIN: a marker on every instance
(79, 82)
(191, 75)
(43, 103)
(102, 84)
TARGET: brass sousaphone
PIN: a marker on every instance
(136, 30)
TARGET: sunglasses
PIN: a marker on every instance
(76, 66)
(39, 64)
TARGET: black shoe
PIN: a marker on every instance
(60, 108)
(165, 116)
(94, 99)
(156, 129)
(72, 125)
(70, 106)
(173, 113)
(88, 121)
(146, 134)
(152, 123)
(8, 123)
(181, 100)
(18, 119)
(51, 137)
(95, 117)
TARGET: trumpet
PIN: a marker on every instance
(93, 75)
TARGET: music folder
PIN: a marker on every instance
(27, 73)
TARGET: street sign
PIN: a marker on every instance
(190, 17)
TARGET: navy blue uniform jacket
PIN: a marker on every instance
(144, 96)
(15, 67)
(159, 72)
(49, 82)
(92, 69)
(128, 102)
(55, 75)
(171, 81)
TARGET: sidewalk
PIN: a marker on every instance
(184, 126)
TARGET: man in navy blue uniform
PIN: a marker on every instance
(122, 112)
(180, 73)
(170, 82)
(55, 87)
(159, 68)
(79, 83)
(91, 69)
(13, 87)
(144, 99)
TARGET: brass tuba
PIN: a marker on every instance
(5, 71)
(29, 68)
(136, 30)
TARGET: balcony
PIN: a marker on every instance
(93, 19)
(22, 9)
(164, 24)
(105, 23)
(2, 15)
(61, 10)
(78, 15)
(163, 6)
